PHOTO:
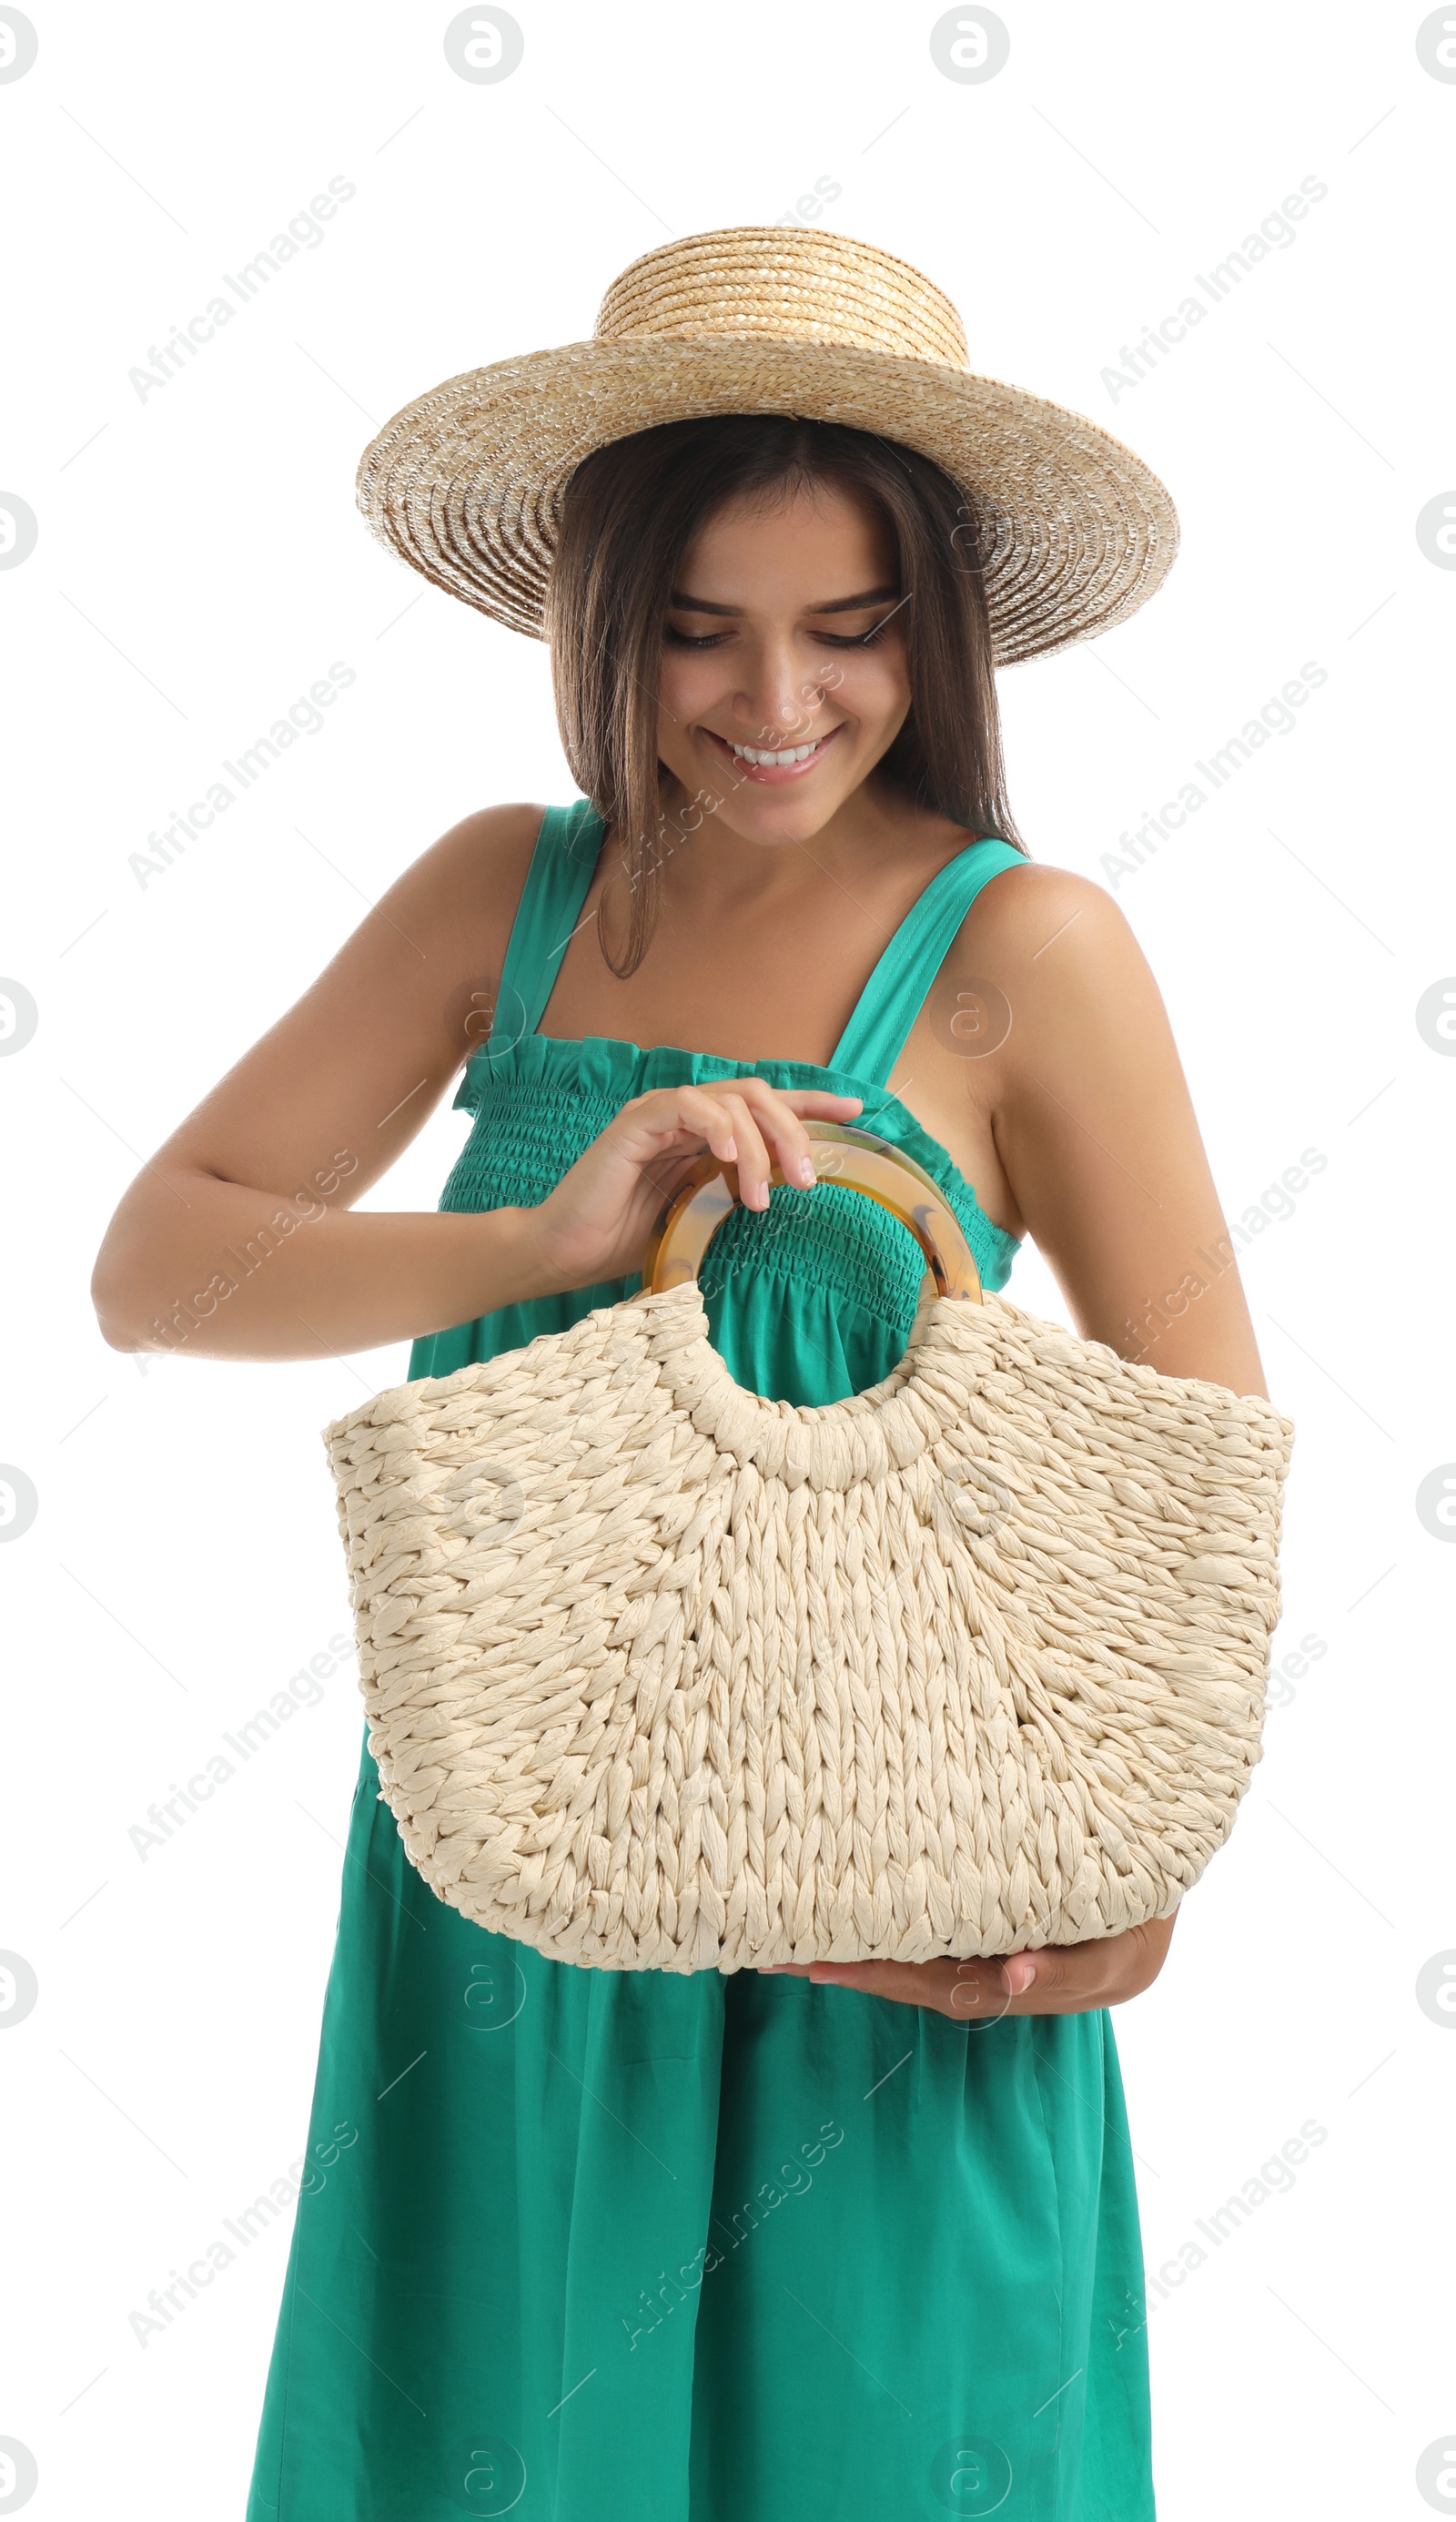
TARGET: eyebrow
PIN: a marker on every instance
(680, 604)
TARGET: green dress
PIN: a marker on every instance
(597, 2246)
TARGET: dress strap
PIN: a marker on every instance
(896, 990)
(556, 885)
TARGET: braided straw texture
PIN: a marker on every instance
(660, 1675)
(466, 483)
(786, 284)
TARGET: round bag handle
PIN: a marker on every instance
(856, 1158)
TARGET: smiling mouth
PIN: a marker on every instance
(789, 762)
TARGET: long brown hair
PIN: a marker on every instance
(628, 514)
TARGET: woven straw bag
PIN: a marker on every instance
(660, 1675)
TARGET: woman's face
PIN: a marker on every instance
(784, 636)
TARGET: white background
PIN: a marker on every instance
(200, 563)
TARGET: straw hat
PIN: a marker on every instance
(466, 483)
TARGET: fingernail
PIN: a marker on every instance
(731, 1154)
(806, 1172)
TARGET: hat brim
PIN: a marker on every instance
(466, 483)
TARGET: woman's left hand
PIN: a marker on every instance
(1057, 1978)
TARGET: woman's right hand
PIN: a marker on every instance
(594, 1226)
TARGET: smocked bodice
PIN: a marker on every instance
(809, 1301)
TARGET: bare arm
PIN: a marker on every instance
(1099, 1135)
(1086, 1125)
(237, 1239)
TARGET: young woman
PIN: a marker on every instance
(635, 2246)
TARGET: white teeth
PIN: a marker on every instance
(766, 761)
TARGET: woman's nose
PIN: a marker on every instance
(776, 704)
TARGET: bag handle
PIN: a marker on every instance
(857, 1159)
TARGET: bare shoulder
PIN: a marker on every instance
(1020, 909)
(473, 874)
(1055, 953)
(436, 942)
(388, 1020)
(1074, 1081)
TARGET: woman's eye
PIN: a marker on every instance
(859, 639)
(686, 639)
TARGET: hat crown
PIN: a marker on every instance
(784, 285)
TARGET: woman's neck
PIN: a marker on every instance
(706, 870)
